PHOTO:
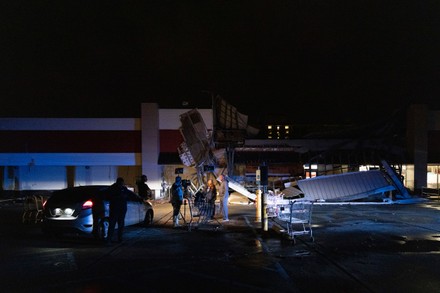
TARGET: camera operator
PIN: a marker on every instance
(176, 199)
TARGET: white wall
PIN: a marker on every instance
(69, 124)
(95, 175)
(69, 159)
(40, 178)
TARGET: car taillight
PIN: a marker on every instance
(87, 205)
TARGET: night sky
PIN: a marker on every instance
(333, 60)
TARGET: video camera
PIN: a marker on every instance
(186, 183)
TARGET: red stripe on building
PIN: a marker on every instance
(170, 141)
(83, 141)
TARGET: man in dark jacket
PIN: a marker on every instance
(144, 190)
(98, 212)
(117, 196)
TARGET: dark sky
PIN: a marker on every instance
(338, 60)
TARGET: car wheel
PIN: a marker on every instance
(103, 229)
(148, 218)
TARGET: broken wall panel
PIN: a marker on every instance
(196, 146)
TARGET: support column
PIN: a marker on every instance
(151, 146)
(417, 136)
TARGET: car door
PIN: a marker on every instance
(133, 210)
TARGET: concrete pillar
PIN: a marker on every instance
(258, 206)
(417, 143)
(70, 176)
(151, 146)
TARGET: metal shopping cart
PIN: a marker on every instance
(202, 212)
(296, 218)
(33, 209)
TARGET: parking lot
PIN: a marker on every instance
(377, 247)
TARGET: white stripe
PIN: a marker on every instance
(70, 159)
(70, 124)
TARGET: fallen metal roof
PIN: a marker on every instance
(346, 186)
(241, 189)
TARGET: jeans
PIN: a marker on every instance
(116, 216)
(224, 207)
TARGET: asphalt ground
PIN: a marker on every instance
(362, 247)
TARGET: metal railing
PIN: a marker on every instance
(431, 192)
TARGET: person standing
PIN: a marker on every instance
(223, 192)
(144, 190)
(117, 196)
(98, 213)
(211, 197)
(176, 199)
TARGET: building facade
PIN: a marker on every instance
(54, 153)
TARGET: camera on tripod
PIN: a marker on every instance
(186, 183)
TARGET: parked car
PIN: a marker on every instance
(70, 210)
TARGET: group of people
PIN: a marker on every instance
(117, 195)
(210, 193)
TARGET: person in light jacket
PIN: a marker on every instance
(223, 192)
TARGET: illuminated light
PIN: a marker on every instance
(68, 211)
(314, 166)
(432, 177)
(87, 205)
(58, 212)
(306, 166)
(286, 127)
(269, 126)
(278, 127)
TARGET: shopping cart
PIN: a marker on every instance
(296, 218)
(202, 212)
(33, 209)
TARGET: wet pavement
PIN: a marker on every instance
(377, 247)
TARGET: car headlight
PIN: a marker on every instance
(58, 212)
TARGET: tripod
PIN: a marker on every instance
(185, 213)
